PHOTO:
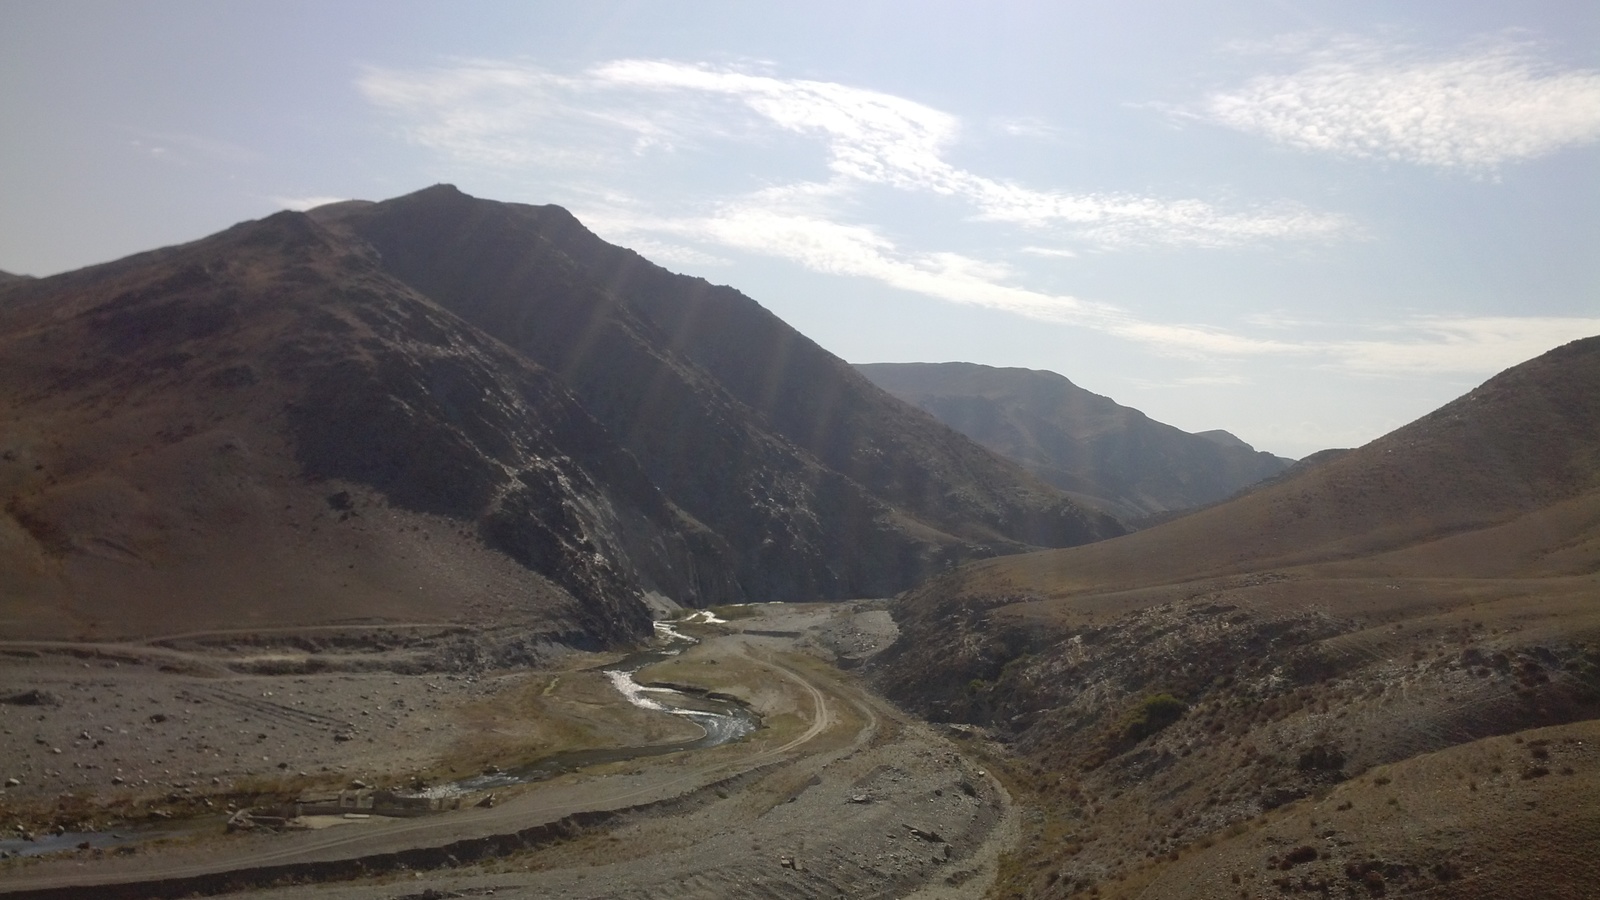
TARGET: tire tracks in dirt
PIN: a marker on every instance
(506, 828)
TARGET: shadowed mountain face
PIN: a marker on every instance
(1400, 604)
(446, 409)
(1114, 457)
(263, 428)
(821, 485)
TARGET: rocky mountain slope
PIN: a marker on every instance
(1227, 704)
(442, 409)
(820, 485)
(262, 428)
(1111, 456)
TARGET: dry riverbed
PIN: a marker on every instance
(836, 795)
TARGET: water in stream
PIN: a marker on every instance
(722, 721)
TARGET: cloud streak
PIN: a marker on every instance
(1477, 109)
(512, 115)
(1422, 345)
(880, 139)
(613, 118)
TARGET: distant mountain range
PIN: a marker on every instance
(445, 408)
(1105, 454)
(1422, 607)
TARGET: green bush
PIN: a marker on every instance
(1153, 713)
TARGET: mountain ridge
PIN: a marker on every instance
(700, 379)
(323, 375)
(1112, 456)
(1419, 604)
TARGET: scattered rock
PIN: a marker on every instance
(33, 697)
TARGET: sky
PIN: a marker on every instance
(1307, 223)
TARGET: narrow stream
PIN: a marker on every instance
(722, 721)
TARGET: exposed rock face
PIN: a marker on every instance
(443, 409)
(821, 485)
(1112, 456)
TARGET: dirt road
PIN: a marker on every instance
(839, 794)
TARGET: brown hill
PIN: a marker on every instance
(1111, 456)
(263, 429)
(444, 409)
(1401, 605)
(821, 485)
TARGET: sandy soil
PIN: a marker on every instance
(112, 740)
(837, 795)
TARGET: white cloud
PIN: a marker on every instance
(301, 204)
(671, 254)
(877, 138)
(1418, 345)
(1477, 109)
(513, 115)
(1026, 127)
(1464, 345)
(832, 248)
(1055, 252)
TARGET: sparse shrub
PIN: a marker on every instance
(1301, 854)
(1320, 757)
(1155, 712)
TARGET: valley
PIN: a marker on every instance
(836, 793)
(348, 548)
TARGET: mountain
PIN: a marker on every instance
(1106, 454)
(264, 429)
(821, 485)
(443, 409)
(9, 278)
(1421, 607)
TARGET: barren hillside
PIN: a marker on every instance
(1190, 705)
(821, 485)
(262, 428)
